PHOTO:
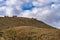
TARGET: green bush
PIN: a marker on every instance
(1, 33)
(29, 38)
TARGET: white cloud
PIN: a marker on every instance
(10, 2)
(2, 11)
(2, 8)
(1, 0)
(1, 15)
(34, 10)
(9, 11)
(26, 13)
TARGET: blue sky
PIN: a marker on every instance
(47, 11)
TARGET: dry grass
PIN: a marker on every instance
(8, 22)
(31, 33)
(18, 28)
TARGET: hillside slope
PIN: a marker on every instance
(31, 33)
(7, 22)
(19, 28)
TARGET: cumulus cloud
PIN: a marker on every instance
(9, 11)
(43, 10)
(2, 11)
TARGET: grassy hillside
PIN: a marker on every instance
(31, 33)
(19, 28)
(8, 22)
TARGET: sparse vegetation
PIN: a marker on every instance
(8, 22)
(31, 33)
(18, 28)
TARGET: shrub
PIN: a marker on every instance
(29, 38)
(1, 33)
